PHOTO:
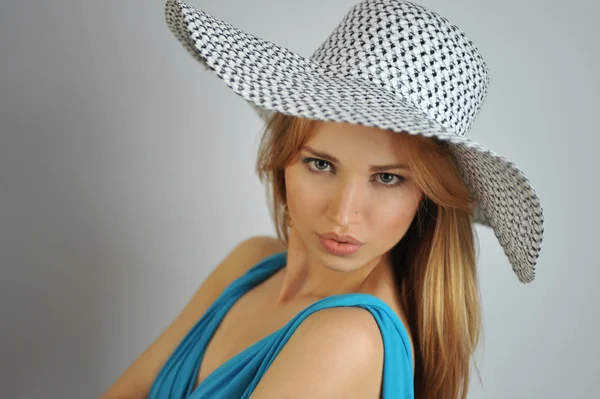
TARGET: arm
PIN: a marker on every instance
(334, 353)
(137, 380)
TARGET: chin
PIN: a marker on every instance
(342, 264)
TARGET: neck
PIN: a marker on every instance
(307, 277)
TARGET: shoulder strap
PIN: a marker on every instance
(397, 368)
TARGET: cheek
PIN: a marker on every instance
(391, 220)
(304, 197)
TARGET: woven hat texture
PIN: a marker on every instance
(390, 64)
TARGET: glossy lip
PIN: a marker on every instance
(347, 239)
(330, 244)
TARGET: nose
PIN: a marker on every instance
(346, 203)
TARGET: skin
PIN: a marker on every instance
(340, 192)
(316, 355)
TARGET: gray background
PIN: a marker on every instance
(126, 174)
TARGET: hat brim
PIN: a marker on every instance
(273, 78)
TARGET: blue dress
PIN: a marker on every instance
(239, 376)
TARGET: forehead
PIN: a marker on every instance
(358, 142)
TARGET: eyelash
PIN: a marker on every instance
(308, 161)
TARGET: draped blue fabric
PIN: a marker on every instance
(238, 377)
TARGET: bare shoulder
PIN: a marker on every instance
(390, 297)
(137, 380)
(246, 254)
(334, 353)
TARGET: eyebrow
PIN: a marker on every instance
(374, 168)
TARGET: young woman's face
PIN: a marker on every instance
(348, 179)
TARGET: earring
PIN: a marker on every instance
(287, 217)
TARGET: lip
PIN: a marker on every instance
(345, 239)
(339, 245)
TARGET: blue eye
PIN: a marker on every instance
(320, 166)
(316, 165)
(390, 180)
(387, 178)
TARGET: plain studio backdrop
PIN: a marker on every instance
(127, 174)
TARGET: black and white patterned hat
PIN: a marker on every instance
(390, 64)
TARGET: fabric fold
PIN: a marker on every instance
(239, 376)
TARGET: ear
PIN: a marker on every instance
(287, 218)
(296, 249)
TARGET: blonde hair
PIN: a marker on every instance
(434, 263)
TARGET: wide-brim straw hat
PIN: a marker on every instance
(390, 64)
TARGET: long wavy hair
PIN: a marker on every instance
(434, 263)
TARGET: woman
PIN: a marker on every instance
(371, 289)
